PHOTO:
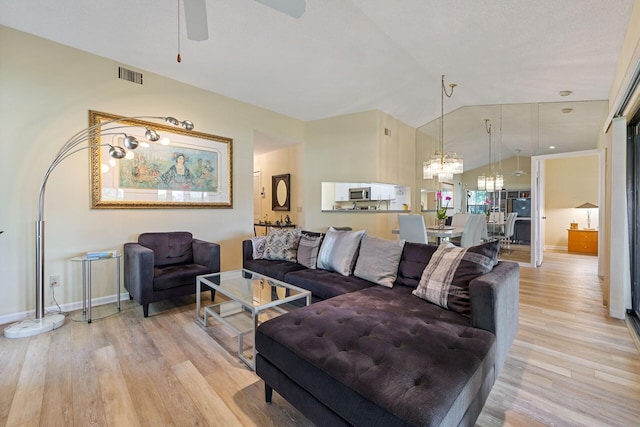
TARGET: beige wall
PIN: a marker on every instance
(570, 182)
(287, 160)
(46, 91)
(354, 148)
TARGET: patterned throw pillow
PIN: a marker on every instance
(308, 250)
(282, 244)
(378, 260)
(258, 243)
(445, 280)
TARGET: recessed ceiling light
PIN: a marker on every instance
(567, 110)
(565, 92)
(552, 147)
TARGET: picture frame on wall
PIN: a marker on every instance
(184, 169)
(281, 192)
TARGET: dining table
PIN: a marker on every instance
(445, 233)
(495, 227)
(439, 233)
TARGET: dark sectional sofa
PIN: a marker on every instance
(367, 355)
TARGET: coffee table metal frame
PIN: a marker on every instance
(241, 313)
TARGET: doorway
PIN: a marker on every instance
(258, 194)
(558, 217)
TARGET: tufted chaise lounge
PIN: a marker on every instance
(381, 356)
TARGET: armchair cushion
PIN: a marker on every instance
(171, 276)
(169, 248)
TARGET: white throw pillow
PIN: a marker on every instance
(339, 250)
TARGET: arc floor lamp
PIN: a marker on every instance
(92, 134)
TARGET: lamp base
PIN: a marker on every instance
(30, 327)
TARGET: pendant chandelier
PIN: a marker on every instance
(443, 164)
(490, 183)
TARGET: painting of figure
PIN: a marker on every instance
(171, 168)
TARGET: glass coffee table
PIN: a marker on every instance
(251, 299)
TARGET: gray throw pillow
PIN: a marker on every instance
(282, 244)
(445, 280)
(339, 250)
(378, 260)
(308, 249)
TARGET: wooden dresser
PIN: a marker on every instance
(583, 241)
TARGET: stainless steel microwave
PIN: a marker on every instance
(363, 193)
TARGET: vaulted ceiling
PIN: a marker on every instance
(345, 56)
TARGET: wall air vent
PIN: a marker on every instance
(129, 75)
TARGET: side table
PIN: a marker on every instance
(583, 241)
(267, 226)
(85, 315)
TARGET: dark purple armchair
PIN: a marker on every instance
(165, 265)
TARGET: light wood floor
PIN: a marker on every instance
(570, 366)
(516, 253)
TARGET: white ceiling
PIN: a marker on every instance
(345, 56)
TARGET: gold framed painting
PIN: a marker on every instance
(184, 169)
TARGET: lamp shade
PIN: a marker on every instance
(586, 205)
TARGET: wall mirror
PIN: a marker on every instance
(428, 197)
(531, 128)
(280, 192)
(519, 131)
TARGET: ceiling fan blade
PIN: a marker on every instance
(195, 15)
(293, 8)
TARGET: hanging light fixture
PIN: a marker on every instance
(489, 183)
(443, 164)
(499, 176)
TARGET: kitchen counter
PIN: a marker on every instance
(364, 211)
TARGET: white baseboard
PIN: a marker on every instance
(556, 248)
(14, 317)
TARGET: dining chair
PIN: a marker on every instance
(460, 219)
(509, 228)
(412, 228)
(507, 231)
(472, 233)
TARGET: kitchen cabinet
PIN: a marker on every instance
(342, 191)
(381, 192)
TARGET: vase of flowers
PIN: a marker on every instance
(441, 211)
(487, 211)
